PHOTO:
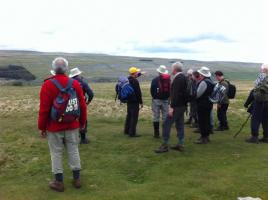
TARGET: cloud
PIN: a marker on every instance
(202, 37)
(163, 49)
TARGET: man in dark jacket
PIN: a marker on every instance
(178, 101)
(223, 104)
(160, 92)
(204, 105)
(134, 103)
(260, 108)
(75, 73)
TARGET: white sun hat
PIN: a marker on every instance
(204, 71)
(52, 72)
(162, 69)
(74, 72)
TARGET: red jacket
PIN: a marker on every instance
(47, 95)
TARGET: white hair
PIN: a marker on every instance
(62, 66)
(177, 66)
(264, 66)
(190, 71)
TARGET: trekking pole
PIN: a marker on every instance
(243, 125)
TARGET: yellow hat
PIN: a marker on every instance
(133, 70)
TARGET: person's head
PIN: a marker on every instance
(219, 75)
(162, 69)
(176, 67)
(204, 73)
(134, 72)
(190, 73)
(196, 75)
(264, 68)
(60, 65)
(75, 72)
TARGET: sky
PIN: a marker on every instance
(223, 30)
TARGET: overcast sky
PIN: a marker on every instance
(234, 30)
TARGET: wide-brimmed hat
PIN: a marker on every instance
(162, 69)
(204, 71)
(74, 72)
(52, 72)
(133, 70)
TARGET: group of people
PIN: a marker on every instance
(63, 109)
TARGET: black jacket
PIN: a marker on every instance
(155, 90)
(86, 89)
(137, 97)
(178, 94)
(203, 100)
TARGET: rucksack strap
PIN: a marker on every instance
(59, 86)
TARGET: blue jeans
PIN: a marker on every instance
(178, 118)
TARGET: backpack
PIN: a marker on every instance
(65, 106)
(123, 89)
(218, 93)
(232, 90)
(261, 92)
(164, 86)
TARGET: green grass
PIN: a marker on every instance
(116, 167)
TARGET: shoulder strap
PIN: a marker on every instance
(57, 84)
(70, 83)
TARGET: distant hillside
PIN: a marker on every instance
(105, 68)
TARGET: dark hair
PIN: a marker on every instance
(196, 74)
(218, 73)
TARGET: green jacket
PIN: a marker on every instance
(225, 99)
(261, 91)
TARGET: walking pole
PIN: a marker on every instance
(243, 125)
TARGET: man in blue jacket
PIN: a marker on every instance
(75, 73)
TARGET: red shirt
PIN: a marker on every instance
(48, 93)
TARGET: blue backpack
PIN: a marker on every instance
(65, 106)
(123, 89)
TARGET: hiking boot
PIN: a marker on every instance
(220, 128)
(162, 149)
(202, 141)
(178, 147)
(56, 185)
(194, 125)
(136, 135)
(226, 128)
(84, 141)
(263, 140)
(253, 139)
(77, 183)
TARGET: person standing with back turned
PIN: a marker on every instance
(75, 73)
(178, 102)
(62, 112)
(160, 92)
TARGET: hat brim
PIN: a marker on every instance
(76, 74)
(158, 70)
(203, 74)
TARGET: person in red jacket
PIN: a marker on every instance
(61, 134)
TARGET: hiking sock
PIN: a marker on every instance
(76, 174)
(156, 129)
(59, 177)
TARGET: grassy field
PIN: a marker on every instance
(117, 167)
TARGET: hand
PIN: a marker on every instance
(170, 112)
(43, 134)
(141, 106)
(82, 128)
(219, 105)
